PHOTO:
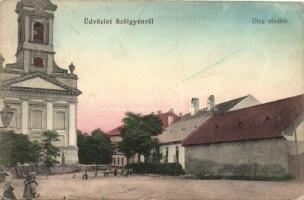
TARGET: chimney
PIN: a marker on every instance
(211, 103)
(159, 112)
(180, 114)
(171, 110)
(194, 106)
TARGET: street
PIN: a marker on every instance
(158, 187)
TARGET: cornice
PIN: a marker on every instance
(6, 85)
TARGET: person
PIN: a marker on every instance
(8, 193)
(30, 185)
(85, 176)
(115, 172)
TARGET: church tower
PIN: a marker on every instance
(42, 94)
(35, 51)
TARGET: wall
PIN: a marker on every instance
(247, 102)
(295, 136)
(267, 158)
(172, 153)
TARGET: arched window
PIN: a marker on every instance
(38, 32)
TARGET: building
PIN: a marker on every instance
(118, 158)
(43, 95)
(172, 137)
(265, 140)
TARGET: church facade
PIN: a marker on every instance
(42, 94)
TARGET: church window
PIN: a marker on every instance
(37, 119)
(38, 62)
(14, 120)
(60, 120)
(38, 31)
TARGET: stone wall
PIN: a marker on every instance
(264, 158)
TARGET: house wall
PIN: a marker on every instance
(267, 158)
(295, 136)
(172, 153)
(247, 102)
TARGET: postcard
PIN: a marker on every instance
(151, 99)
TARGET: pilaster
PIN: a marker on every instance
(24, 115)
(49, 115)
(72, 125)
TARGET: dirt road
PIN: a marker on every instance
(159, 187)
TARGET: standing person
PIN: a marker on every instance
(85, 175)
(30, 185)
(8, 193)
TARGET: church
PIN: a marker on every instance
(42, 95)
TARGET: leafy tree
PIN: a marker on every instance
(95, 148)
(152, 124)
(137, 134)
(17, 148)
(50, 153)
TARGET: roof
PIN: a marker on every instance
(115, 131)
(183, 128)
(219, 108)
(257, 122)
(162, 116)
(9, 85)
(46, 4)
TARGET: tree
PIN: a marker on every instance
(101, 147)
(95, 148)
(17, 148)
(50, 153)
(137, 134)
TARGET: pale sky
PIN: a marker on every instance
(193, 49)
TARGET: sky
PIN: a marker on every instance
(193, 49)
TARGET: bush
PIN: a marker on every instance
(173, 169)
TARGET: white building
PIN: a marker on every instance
(43, 95)
(172, 137)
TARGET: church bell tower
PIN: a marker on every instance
(35, 50)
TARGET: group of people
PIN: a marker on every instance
(123, 172)
(30, 188)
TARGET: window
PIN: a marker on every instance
(122, 161)
(113, 161)
(38, 32)
(14, 120)
(118, 161)
(60, 120)
(177, 154)
(37, 119)
(38, 62)
(167, 153)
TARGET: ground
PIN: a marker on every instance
(159, 187)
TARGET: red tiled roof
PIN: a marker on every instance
(162, 116)
(257, 122)
(115, 131)
(165, 118)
